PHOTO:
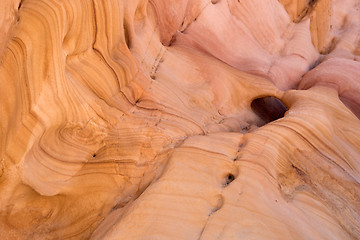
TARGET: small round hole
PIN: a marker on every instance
(94, 155)
(229, 178)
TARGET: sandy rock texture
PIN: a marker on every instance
(179, 119)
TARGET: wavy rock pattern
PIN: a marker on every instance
(192, 119)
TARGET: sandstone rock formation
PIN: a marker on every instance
(180, 119)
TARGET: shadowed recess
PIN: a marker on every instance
(268, 109)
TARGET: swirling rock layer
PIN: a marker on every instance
(192, 119)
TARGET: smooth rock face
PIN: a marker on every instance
(180, 119)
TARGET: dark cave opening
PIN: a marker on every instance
(268, 109)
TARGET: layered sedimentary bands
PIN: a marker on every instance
(179, 119)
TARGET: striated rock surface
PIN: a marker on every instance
(169, 119)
